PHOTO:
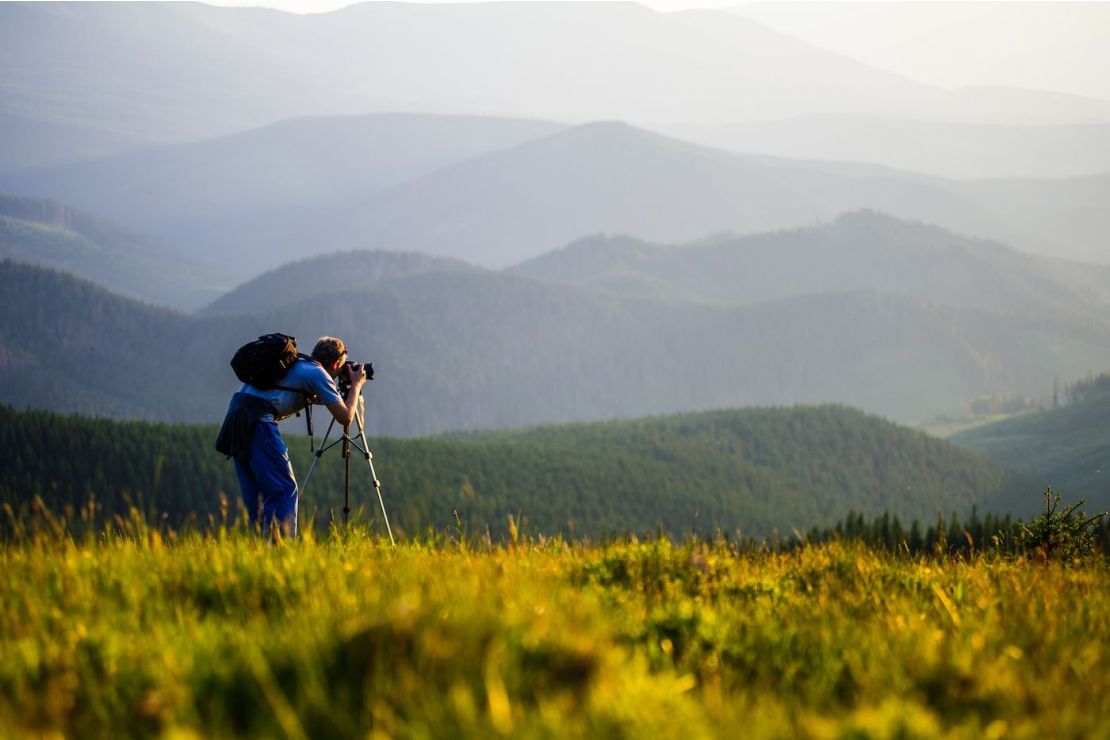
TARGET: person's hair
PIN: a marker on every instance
(328, 350)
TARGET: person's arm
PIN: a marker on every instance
(344, 411)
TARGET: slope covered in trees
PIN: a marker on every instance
(467, 349)
(756, 472)
(1066, 447)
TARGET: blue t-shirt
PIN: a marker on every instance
(304, 375)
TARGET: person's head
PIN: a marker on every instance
(331, 353)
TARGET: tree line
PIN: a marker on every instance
(749, 472)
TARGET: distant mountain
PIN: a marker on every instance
(67, 63)
(954, 150)
(1066, 217)
(864, 250)
(507, 206)
(753, 472)
(1067, 447)
(221, 200)
(52, 234)
(213, 196)
(31, 143)
(343, 272)
(458, 349)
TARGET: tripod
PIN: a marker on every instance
(347, 441)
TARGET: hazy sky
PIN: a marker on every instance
(321, 6)
(1059, 46)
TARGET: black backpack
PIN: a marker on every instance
(263, 362)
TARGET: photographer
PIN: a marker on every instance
(250, 432)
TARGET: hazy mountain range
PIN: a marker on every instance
(208, 71)
(575, 335)
(494, 192)
(953, 150)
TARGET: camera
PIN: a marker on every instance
(344, 379)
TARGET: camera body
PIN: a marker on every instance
(344, 379)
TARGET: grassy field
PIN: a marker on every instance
(143, 634)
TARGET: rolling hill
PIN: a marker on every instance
(52, 234)
(952, 150)
(503, 207)
(30, 143)
(756, 472)
(340, 273)
(465, 348)
(864, 250)
(406, 183)
(212, 197)
(1067, 447)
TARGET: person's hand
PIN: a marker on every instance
(357, 374)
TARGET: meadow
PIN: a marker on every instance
(130, 631)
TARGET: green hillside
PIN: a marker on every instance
(51, 234)
(757, 472)
(1066, 447)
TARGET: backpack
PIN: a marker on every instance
(263, 362)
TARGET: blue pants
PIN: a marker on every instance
(267, 482)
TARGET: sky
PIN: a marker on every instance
(323, 6)
(1059, 46)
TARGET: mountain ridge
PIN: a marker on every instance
(53, 234)
(463, 349)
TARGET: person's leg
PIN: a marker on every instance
(251, 491)
(274, 473)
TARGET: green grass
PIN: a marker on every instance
(142, 634)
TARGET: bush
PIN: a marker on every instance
(1062, 535)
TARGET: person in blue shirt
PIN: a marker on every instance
(262, 464)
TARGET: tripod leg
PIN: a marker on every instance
(316, 456)
(370, 462)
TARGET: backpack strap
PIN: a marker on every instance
(297, 390)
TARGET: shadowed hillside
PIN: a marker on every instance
(473, 349)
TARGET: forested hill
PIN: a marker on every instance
(1067, 447)
(754, 471)
(52, 234)
(463, 349)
